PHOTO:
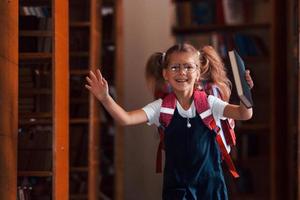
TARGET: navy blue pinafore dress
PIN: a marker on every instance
(193, 162)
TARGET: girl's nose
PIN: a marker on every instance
(182, 70)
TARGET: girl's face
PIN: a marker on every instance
(182, 71)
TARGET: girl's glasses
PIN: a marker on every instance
(186, 67)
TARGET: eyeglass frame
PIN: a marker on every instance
(182, 66)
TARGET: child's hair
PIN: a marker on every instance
(212, 70)
(153, 72)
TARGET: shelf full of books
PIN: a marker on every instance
(79, 57)
(42, 142)
(108, 126)
(35, 102)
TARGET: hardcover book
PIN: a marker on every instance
(238, 70)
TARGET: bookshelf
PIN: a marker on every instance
(8, 96)
(95, 159)
(108, 127)
(43, 100)
(260, 38)
(84, 46)
(56, 51)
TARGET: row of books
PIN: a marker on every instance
(79, 145)
(35, 148)
(35, 160)
(77, 41)
(37, 11)
(78, 183)
(35, 137)
(210, 12)
(30, 188)
(35, 75)
(245, 44)
(24, 193)
(33, 95)
(39, 103)
(39, 43)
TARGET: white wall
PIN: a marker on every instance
(147, 29)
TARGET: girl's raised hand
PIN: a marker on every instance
(97, 85)
(249, 79)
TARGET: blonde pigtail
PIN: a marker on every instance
(214, 72)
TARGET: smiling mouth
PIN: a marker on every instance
(181, 80)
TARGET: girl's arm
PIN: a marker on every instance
(98, 86)
(237, 112)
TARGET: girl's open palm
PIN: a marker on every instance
(97, 85)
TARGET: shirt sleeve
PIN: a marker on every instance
(152, 111)
(217, 107)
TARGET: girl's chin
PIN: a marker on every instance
(182, 88)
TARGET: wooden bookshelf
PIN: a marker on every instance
(42, 69)
(37, 55)
(35, 33)
(43, 147)
(112, 159)
(90, 48)
(35, 173)
(80, 24)
(8, 96)
(84, 124)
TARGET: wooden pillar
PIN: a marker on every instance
(60, 97)
(94, 121)
(8, 98)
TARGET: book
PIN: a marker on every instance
(238, 70)
(233, 11)
(203, 12)
(184, 14)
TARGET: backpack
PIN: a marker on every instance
(203, 109)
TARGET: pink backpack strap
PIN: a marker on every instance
(203, 109)
(228, 124)
(166, 113)
(226, 157)
(159, 151)
(167, 110)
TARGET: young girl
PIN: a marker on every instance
(214, 81)
(193, 162)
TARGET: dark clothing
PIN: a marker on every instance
(193, 162)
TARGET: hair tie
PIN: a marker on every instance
(163, 57)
